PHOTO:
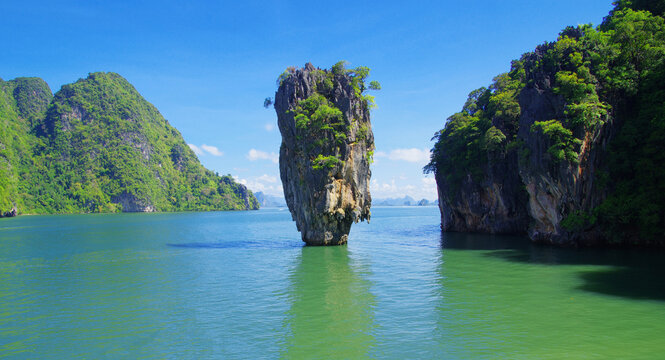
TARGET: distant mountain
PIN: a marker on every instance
(266, 200)
(405, 201)
(98, 146)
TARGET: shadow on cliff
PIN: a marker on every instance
(629, 273)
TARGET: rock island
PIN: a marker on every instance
(327, 148)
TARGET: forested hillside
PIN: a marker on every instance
(23, 102)
(98, 146)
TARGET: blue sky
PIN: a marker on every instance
(208, 65)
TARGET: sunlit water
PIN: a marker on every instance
(241, 285)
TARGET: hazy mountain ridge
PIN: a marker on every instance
(404, 201)
(267, 200)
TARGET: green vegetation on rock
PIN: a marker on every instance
(325, 162)
(326, 150)
(462, 147)
(320, 124)
(612, 74)
(562, 140)
(22, 102)
(98, 146)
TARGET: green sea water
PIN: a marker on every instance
(240, 285)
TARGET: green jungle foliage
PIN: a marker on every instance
(22, 102)
(562, 140)
(462, 147)
(322, 127)
(323, 162)
(99, 144)
(616, 69)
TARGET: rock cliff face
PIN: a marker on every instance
(524, 189)
(327, 147)
(10, 213)
(557, 189)
(551, 148)
(493, 205)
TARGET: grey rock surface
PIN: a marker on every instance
(528, 192)
(325, 202)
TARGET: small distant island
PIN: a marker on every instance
(98, 146)
(269, 201)
(404, 201)
(567, 147)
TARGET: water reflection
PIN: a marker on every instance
(503, 297)
(331, 313)
(631, 273)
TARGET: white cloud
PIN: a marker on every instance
(212, 150)
(254, 155)
(203, 149)
(383, 188)
(428, 186)
(267, 178)
(269, 126)
(412, 155)
(397, 188)
(264, 183)
(429, 181)
(197, 150)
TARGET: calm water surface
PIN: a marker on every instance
(241, 285)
